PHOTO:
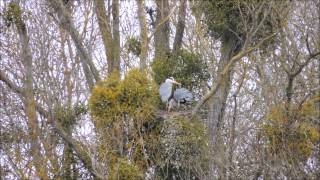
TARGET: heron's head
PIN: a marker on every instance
(171, 80)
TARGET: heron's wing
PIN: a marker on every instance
(182, 94)
(165, 91)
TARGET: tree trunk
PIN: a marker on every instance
(29, 101)
(289, 92)
(217, 103)
(105, 30)
(143, 35)
(180, 27)
(161, 36)
(232, 136)
(67, 171)
(90, 71)
(67, 151)
(116, 35)
(111, 40)
(318, 9)
(57, 128)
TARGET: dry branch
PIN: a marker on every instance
(227, 68)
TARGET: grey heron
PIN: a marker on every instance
(179, 96)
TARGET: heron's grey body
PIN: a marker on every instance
(180, 96)
(165, 91)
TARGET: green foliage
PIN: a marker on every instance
(182, 149)
(138, 95)
(293, 134)
(103, 103)
(123, 113)
(125, 170)
(112, 99)
(134, 46)
(67, 116)
(220, 16)
(12, 14)
(120, 109)
(224, 18)
(185, 67)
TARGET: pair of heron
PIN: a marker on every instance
(179, 96)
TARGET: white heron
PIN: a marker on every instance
(180, 95)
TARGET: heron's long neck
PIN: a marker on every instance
(171, 95)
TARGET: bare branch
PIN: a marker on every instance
(10, 84)
(181, 25)
(83, 156)
(164, 20)
(67, 24)
(227, 68)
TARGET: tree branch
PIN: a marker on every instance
(66, 23)
(82, 155)
(227, 68)
(164, 20)
(180, 26)
(10, 84)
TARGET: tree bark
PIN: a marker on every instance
(67, 162)
(110, 35)
(232, 136)
(65, 21)
(143, 35)
(233, 127)
(74, 145)
(68, 158)
(224, 72)
(105, 30)
(29, 101)
(116, 35)
(180, 27)
(161, 36)
(217, 103)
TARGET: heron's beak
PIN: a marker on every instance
(175, 82)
